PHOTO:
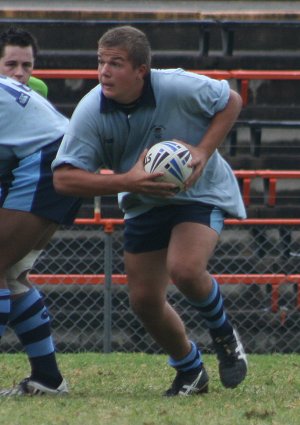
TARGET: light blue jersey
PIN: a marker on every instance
(30, 133)
(175, 105)
(28, 122)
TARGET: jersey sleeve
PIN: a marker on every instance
(81, 146)
(28, 121)
(206, 94)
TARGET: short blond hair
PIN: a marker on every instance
(132, 40)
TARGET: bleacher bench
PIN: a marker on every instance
(230, 27)
(99, 26)
(223, 33)
(256, 127)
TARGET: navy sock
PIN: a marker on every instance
(30, 320)
(212, 310)
(5, 306)
(192, 360)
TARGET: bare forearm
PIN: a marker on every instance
(221, 124)
(73, 181)
(214, 136)
(77, 182)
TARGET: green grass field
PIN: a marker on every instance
(125, 389)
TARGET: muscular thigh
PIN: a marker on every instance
(184, 236)
(147, 274)
(191, 246)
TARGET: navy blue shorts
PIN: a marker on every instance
(28, 186)
(151, 231)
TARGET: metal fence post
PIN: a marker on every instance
(107, 292)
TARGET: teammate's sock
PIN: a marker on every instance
(30, 320)
(5, 306)
(45, 370)
(212, 310)
(192, 360)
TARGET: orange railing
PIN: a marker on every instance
(242, 76)
(274, 280)
(270, 179)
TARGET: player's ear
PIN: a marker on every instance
(142, 71)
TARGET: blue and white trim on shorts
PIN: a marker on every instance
(28, 186)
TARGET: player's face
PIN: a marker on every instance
(17, 62)
(119, 80)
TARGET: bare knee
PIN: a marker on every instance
(139, 303)
(182, 274)
(192, 281)
(146, 306)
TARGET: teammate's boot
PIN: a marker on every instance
(192, 382)
(232, 358)
(30, 387)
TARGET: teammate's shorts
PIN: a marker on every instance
(28, 186)
(151, 231)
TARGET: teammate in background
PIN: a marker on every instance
(18, 51)
(166, 236)
(30, 209)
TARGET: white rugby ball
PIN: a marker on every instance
(171, 158)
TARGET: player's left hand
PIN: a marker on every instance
(199, 160)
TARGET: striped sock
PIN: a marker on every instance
(212, 310)
(30, 320)
(5, 306)
(192, 360)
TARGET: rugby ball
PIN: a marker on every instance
(171, 158)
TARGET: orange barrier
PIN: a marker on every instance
(270, 179)
(242, 76)
(275, 280)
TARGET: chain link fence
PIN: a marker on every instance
(97, 317)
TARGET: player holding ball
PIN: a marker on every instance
(169, 234)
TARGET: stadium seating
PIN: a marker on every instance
(185, 41)
(257, 35)
(256, 128)
(181, 40)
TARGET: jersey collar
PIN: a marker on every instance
(147, 99)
